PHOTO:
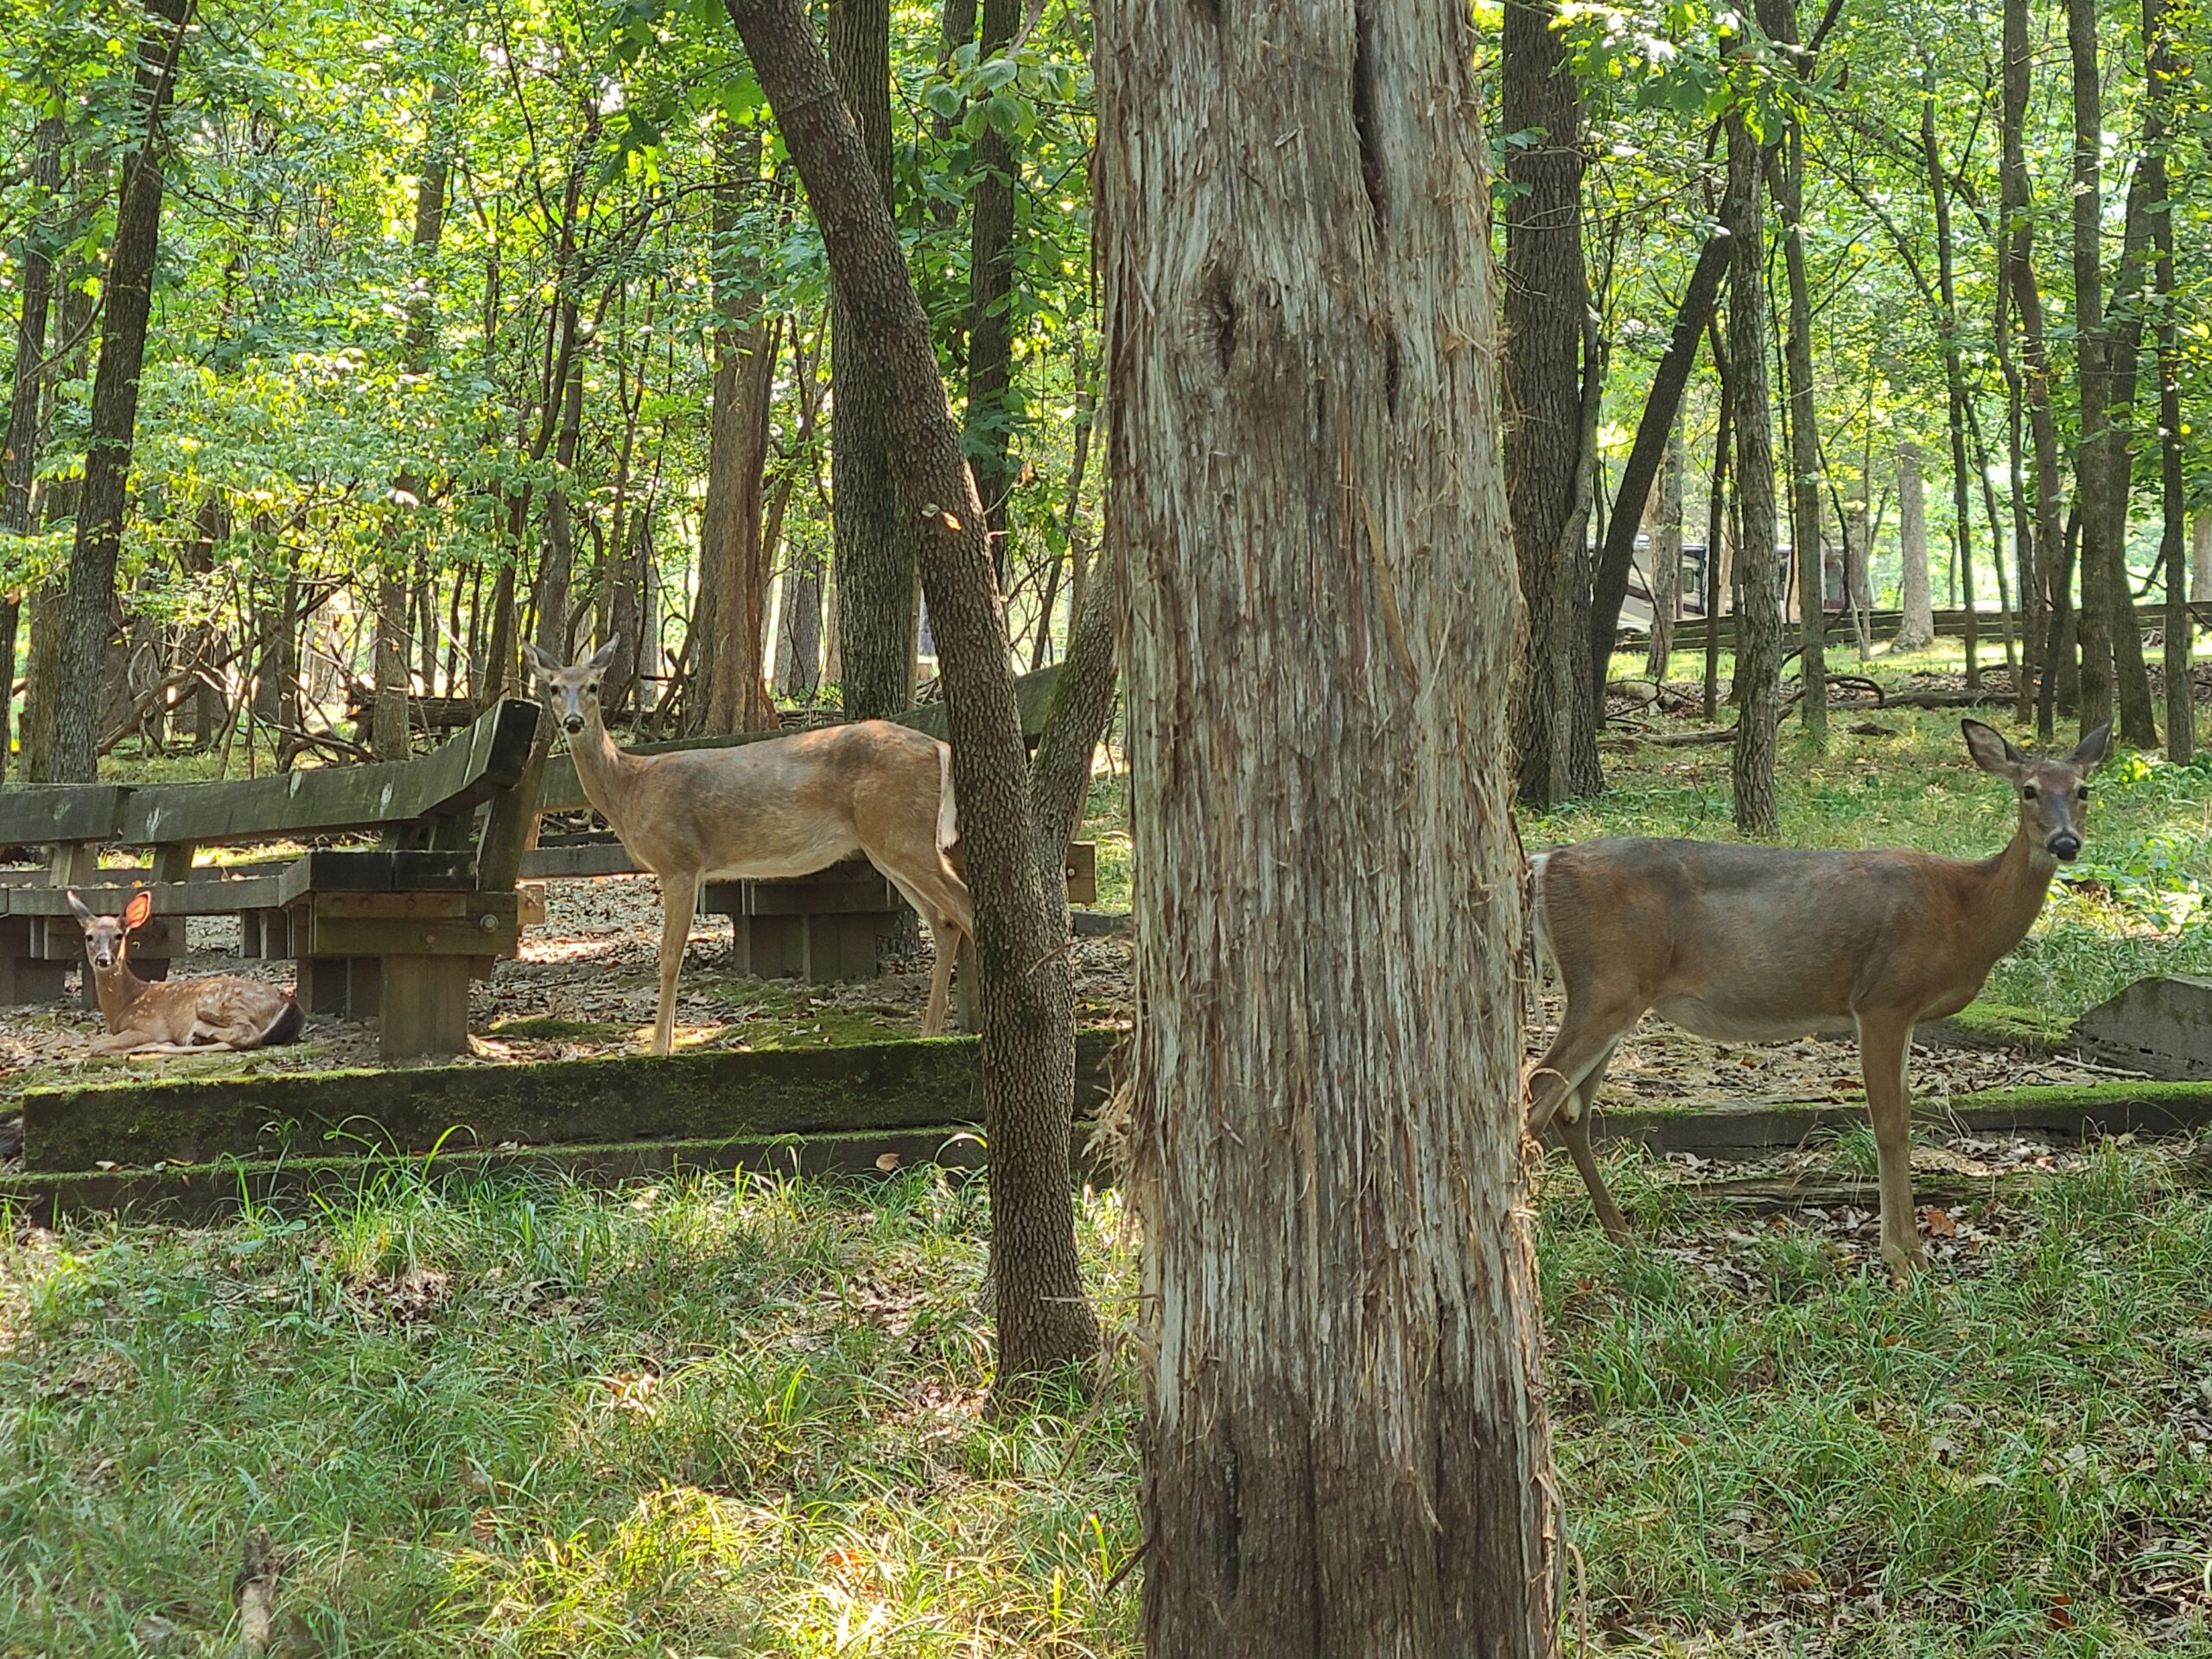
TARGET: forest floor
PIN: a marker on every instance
(737, 1418)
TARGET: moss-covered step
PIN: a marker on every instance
(190, 1195)
(2076, 1111)
(1999, 1026)
(714, 1095)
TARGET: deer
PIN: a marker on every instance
(176, 1016)
(1744, 943)
(782, 806)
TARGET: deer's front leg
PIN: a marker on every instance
(1884, 1048)
(679, 895)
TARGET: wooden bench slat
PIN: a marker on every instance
(40, 815)
(176, 898)
(459, 774)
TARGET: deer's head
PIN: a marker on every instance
(107, 939)
(572, 691)
(2054, 794)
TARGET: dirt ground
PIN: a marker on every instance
(585, 986)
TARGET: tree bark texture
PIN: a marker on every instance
(1026, 990)
(876, 546)
(128, 295)
(1779, 19)
(1665, 543)
(1758, 588)
(28, 382)
(2200, 555)
(1917, 628)
(1345, 1448)
(2180, 715)
(1661, 409)
(1547, 480)
(991, 407)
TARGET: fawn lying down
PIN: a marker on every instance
(176, 1016)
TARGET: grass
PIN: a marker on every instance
(736, 1418)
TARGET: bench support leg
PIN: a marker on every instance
(348, 986)
(425, 1006)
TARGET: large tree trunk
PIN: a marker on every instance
(1779, 19)
(1916, 629)
(990, 408)
(127, 292)
(876, 547)
(1666, 551)
(1549, 372)
(28, 393)
(1758, 615)
(1346, 1447)
(1028, 1025)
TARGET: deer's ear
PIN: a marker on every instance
(83, 912)
(139, 910)
(1990, 750)
(2089, 754)
(603, 656)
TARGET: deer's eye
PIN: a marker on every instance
(2028, 793)
(593, 688)
(2082, 793)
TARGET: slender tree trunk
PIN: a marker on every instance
(1716, 534)
(801, 628)
(1916, 630)
(49, 606)
(1029, 1028)
(991, 409)
(2200, 556)
(1549, 374)
(1346, 1448)
(27, 394)
(1759, 618)
(388, 710)
(557, 566)
(1939, 193)
(128, 295)
(876, 547)
(1661, 409)
(1666, 545)
(733, 557)
(2180, 715)
(1779, 19)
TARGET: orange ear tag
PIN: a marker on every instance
(139, 910)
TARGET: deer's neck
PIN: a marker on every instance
(601, 768)
(118, 988)
(2016, 882)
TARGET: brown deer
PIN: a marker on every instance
(176, 1016)
(785, 806)
(1764, 944)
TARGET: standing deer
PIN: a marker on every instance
(174, 1016)
(1766, 943)
(785, 806)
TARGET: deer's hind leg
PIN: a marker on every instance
(679, 895)
(1596, 1019)
(942, 899)
(1574, 1131)
(1884, 1050)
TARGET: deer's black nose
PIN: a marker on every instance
(572, 724)
(2065, 846)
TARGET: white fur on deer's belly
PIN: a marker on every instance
(1724, 1024)
(797, 856)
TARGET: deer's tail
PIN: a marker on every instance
(948, 815)
(1540, 921)
(291, 1020)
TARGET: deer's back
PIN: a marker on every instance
(1751, 942)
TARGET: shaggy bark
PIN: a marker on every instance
(1346, 1451)
(1666, 548)
(1028, 1027)
(989, 412)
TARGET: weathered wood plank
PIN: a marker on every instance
(487, 757)
(39, 815)
(194, 898)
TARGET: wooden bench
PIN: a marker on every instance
(820, 928)
(396, 932)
